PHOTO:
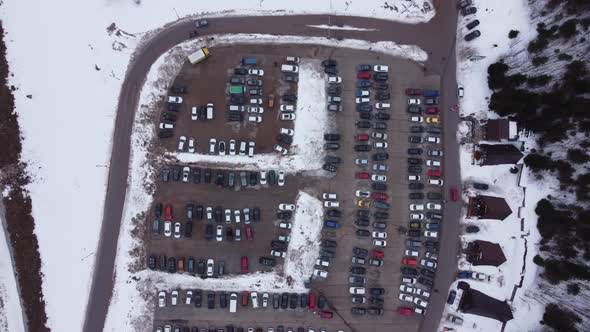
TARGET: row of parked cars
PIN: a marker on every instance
(284, 214)
(466, 8)
(204, 268)
(170, 113)
(224, 178)
(246, 94)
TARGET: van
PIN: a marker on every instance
(248, 61)
(210, 111)
(233, 302)
(289, 69)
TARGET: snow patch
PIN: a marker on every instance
(342, 27)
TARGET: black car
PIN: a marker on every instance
(431, 245)
(218, 213)
(188, 229)
(383, 96)
(376, 291)
(362, 148)
(278, 245)
(276, 301)
(427, 273)
(171, 265)
(416, 129)
(363, 124)
(380, 77)
(285, 215)
(303, 300)
(416, 196)
(334, 90)
(468, 11)
(358, 311)
(437, 196)
(162, 262)
(375, 311)
(229, 233)
(362, 222)
(211, 300)
(377, 301)
(363, 84)
(356, 280)
(197, 298)
(415, 139)
(240, 71)
(332, 160)
(363, 108)
(414, 169)
(290, 78)
(329, 63)
(168, 117)
(235, 117)
(426, 282)
(380, 156)
(362, 232)
(152, 262)
(413, 244)
(322, 301)
(451, 298)
(381, 205)
(293, 299)
(379, 186)
(382, 116)
(173, 107)
(472, 35)
(381, 86)
(365, 116)
(175, 173)
(328, 243)
(268, 261)
(223, 300)
(158, 210)
(327, 254)
(238, 80)
(472, 229)
(416, 186)
(330, 167)
(165, 133)
(362, 213)
(433, 216)
(414, 161)
(381, 215)
(165, 175)
(480, 186)
(408, 271)
(207, 175)
(196, 175)
(199, 212)
(472, 24)
(253, 82)
(360, 251)
(289, 97)
(219, 178)
(363, 67)
(379, 225)
(253, 178)
(178, 89)
(331, 70)
(379, 125)
(284, 138)
(413, 233)
(240, 100)
(284, 300)
(415, 151)
(200, 267)
(209, 232)
(332, 137)
(433, 130)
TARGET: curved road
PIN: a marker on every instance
(437, 37)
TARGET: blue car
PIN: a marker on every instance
(363, 84)
(332, 224)
(463, 275)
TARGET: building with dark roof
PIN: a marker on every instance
(485, 253)
(500, 130)
(488, 207)
(496, 154)
(477, 303)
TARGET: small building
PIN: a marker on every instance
(496, 154)
(477, 303)
(485, 253)
(499, 130)
(488, 207)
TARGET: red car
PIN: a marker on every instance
(404, 311)
(361, 137)
(245, 299)
(361, 175)
(454, 194)
(432, 110)
(413, 92)
(326, 314)
(409, 261)
(379, 196)
(363, 75)
(249, 233)
(311, 301)
(244, 265)
(168, 212)
(377, 254)
(434, 173)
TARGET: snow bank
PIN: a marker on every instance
(342, 27)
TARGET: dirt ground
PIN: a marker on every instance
(403, 73)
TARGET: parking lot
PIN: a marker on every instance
(207, 82)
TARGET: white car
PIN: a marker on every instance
(276, 253)
(362, 100)
(320, 262)
(209, 213)
(380, 145)
(427, 263)
(186, 171)
(289, 68)
(219, 233)
(331, 204)
(255, 109)
(380, 69)
(460, 90)
(416, 207)
(420, 302)
(284, 238)
(210, 267)
(433, 206)
(382, 106)
(287, 131)
(251, 146)
(378, 178)
(228, 216)
(189, 297)
(362, 194)
(256, 72)
(254, 118)
(320, 273)
(161, 299)
(232, 147)
(379, 135)
(294, 59)
(177, 230)
(432, 163)
(288, 116)
(265, 298)
(408, 280)
(247, 216)
(237, 216)
(379, 243)
(256, 101)
(435, 182)
(210, 110)
(174, 297)
(287, 108)
(431, 255)
(191, 145)
(285, 225)
(181, 141)
(174, 100)
(357, 290)
(416, 119)
(411, 253)
(280, 149)
(413, 101)
(406, 297)
(281, 180)
(334, 79)
(166, 125)
(430, 234)
(407, 289)
(286, 207)
(194, 115)
(363, 93)
(379, 235)
(423, 293)
(212, 146)
(329, 196)
(263, 176)
(254, 299)
(419, 311)
(433, 140)
(416, 216)
(167, 228)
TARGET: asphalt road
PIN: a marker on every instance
(436, 37)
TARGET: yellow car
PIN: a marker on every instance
(363, 203)
(432, 119)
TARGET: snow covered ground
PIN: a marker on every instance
(521, 193)
(11, 314)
